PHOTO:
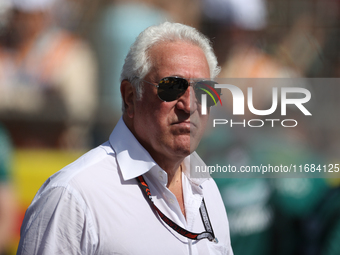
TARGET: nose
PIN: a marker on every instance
(188, 101)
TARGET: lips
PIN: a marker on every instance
(187, 124)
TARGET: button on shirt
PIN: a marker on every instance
(95, 206)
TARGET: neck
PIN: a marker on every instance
(171, 164)
(174, 177)
(176, 187)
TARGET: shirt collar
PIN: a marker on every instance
(134, 160)
(189, 164)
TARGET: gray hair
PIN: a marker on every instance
(138, 63)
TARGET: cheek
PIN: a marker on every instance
(202, 127)
(151, 116)
(204, 121)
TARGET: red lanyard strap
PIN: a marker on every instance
(209, 233)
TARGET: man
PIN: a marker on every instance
(101, 204)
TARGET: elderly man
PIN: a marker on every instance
(134, 193)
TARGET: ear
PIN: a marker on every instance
(128, 96)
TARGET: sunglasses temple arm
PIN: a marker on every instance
(156, 86)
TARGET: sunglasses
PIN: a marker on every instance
(172, 88)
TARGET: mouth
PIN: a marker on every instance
(186, 124)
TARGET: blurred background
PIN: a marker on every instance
(60, 62)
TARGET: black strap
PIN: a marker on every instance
(209, 233)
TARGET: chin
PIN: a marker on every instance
(183, 149)
(185, 145)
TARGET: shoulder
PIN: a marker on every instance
(62, 205)
(98, 161)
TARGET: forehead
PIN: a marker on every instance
(179, 58)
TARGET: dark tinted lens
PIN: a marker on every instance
(172, 88)
(207, 87)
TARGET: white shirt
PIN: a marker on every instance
(95, 206)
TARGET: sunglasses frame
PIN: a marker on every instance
(188, 83)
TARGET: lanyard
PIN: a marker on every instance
(209, 233)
